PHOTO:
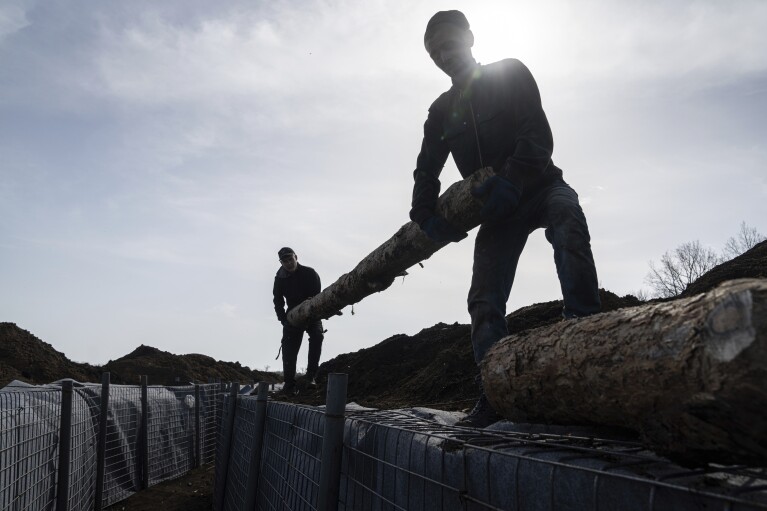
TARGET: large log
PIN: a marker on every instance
(407, 247)
(689, 375)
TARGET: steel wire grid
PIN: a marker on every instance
(396, 461)
(222, 446)
(240, 454)
(170, 432)
(29, 426)
(82, 450)
(122, 470)
(211, 404)
(290, 459)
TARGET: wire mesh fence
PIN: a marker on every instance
(82, 449)
(397, 460)
(29, 425)
(171, 434)
(290, 469)
(33, 427)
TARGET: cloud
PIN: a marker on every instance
(12, 19)
(227, 310)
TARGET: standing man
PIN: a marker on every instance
(492, 116)
(293, 284)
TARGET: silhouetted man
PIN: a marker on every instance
(492, 116)
(293, 284)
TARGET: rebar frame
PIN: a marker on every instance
(394, 460)
(30, 434)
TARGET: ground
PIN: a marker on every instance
(192, 492)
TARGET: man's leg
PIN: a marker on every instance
(568, 233)
(496, 254)
(291, 344)
(316, 336)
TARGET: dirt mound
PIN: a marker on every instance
(434, 367)
(25, 357)
(751, 264)
(164, 368)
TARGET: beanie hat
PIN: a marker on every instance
(284, 251)
(456, 18)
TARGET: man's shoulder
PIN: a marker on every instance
(441, 103)
(503, 67)
(307, 270)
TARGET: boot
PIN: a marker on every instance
(481, 416)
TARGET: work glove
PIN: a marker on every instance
(500, 198)
(439, 229)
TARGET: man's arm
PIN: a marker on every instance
(429, 165)
(316, 286)
(279, 302)
(431, 159)
(533, 142)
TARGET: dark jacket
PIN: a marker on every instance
(294, 288)
(496, 121)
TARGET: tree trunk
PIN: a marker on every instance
(408, 246)
(690, 375)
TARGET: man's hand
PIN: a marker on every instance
(500, 198)
(439, 229)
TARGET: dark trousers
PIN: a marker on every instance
(291, 344)
(496, 254)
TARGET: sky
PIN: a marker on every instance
(154, 156)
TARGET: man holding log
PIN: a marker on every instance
(492, 116)
(293, 284)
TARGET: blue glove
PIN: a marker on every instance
(439, 229)
(500, 198)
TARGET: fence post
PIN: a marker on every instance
(145, 436)
(251, 488)
(65, 441)
(101, 446)
(227, 442)
(197, 433)
(332, 442)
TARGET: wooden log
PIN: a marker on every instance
(407, 247)
(689, 375)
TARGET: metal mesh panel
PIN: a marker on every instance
(240, 454)
(122, 470)
(290, 462)
(396, 461)
(171, 432)
(222, 448)
(212, 399)
(82, 464)
(29, 425)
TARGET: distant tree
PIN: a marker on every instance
(746, 239)
(681, 267)
(266, 368)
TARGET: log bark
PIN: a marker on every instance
(408, 246)
(689, 375)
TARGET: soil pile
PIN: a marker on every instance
(26, 358)
(164, 368)
(434, 368)
(749, 265)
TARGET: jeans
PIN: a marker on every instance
(291, 344)
(496, 254)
